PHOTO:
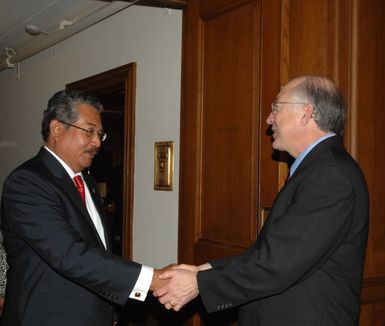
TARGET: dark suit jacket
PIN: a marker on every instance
(59, 271)
(306, 266)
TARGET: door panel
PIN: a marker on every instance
(222, 119)
(231, 47)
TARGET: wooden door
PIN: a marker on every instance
(223, 127)
(236, 55)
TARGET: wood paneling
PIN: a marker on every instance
(237, 54)
(231, 48)
(311, 40)
(222, 118)
(371, 122)
(373, 314)
(370, 148)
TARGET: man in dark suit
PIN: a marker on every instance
(61, 270)
(306, 266)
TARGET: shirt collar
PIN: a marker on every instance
(64, 164)
(301, 156)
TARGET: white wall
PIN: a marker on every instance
(152, 38)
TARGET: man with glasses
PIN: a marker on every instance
(306, 266)
(61, 269)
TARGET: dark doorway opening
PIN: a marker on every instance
(107, 167)
(113, 167)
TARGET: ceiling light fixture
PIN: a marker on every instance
(9, 52)
(84, 17)
(34, 30)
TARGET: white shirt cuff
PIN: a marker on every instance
(142, 284)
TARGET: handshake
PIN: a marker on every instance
(176, 285)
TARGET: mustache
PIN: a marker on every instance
(92, 151)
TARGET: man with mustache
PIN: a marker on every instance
(305, 268)
(61, 269)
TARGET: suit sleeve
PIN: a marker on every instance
(35, 211)
(296, 243)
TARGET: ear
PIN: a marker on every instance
(55, 129)
(307, 112)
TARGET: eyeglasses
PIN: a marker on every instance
(89, 132)
(275, 105)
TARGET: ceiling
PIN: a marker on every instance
(52, 21)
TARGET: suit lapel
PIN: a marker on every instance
(282, 201)
(318, 150)
(64, 181)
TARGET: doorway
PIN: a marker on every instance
(113, 167)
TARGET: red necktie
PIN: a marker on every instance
(80, 186)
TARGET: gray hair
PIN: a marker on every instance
(62, 106)
(329, 105)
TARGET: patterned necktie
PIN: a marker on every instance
(80, 186)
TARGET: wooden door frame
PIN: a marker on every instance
(121, 77)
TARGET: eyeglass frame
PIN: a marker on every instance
(275, 108)
(89, 132)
